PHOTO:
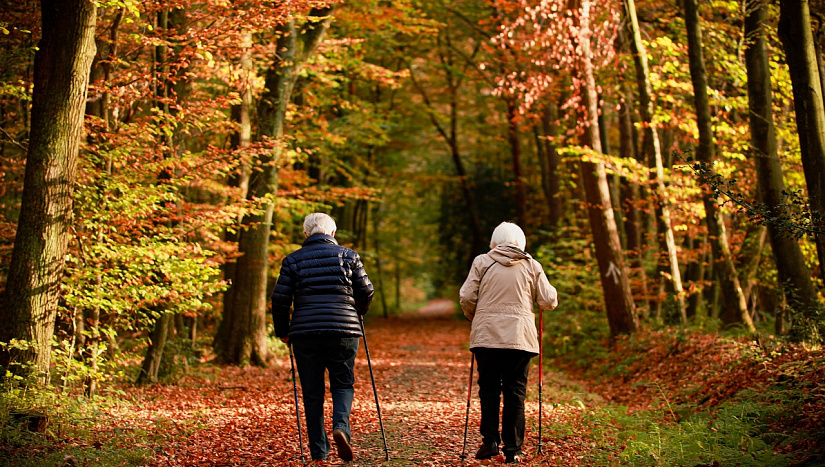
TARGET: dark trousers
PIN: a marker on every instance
(503, 372)
(314, 356)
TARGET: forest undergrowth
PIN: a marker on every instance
(667, 397)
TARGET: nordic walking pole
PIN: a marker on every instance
(374, 390)
(297, 410)
(467, 416)
(541, 368)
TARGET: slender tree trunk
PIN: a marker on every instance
(450, 137)
(653, 147)
(551, 181)
(695, 274)
(736, 309)
(246, 338)
(515, 152)
(630, 207)
(621, 313)
(794, 276)
(28, 308)
(797, 39)
(154, 353)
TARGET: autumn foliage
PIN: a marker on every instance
(210, 129)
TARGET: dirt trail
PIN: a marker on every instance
(245, 416)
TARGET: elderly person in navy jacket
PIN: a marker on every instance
(499, 296)
(329, 292)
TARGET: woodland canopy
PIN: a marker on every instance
(666, 159)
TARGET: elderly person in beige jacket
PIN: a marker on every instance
(498, 297)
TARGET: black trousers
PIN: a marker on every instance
(503, 372)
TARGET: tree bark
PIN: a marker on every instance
(246, 338)
(797, 39)
(736, 309)
(630, 194)
(551, 181)
(515, 153)
(154, 353)
(240, 141)
(653, 148)
(621, 313)
(794, 276)
(61, 76)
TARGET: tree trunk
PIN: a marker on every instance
(630, 208)
(551, 180)
(61, 76)
(736, 309)
(797, 39)
(515, 152)
(794, 276)
(695, 274)
(653, 148)
(154, 353)
(621, 313)
(245, 339)
(240, 140)
(450, 137)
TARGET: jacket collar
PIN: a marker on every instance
(508, 254)
(320, 238)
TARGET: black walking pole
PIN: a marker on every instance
(467, 416)
(297, 410)
(374, 390)
(541, 368)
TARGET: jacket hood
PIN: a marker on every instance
(320, 238)
(508, 254)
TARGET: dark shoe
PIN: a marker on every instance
(513, 458)
(487, 451)
(342, 443)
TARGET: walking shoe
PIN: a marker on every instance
(487, 451)
(342, 443)
(513, 457)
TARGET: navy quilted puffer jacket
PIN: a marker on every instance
(327, 287)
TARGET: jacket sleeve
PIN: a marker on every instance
(362, 288)
(546, 295)
(282, 300)
(468, 294)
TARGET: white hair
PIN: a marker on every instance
(318, 222)
(508, 232)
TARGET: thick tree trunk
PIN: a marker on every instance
(736, 309)
(794, 276)
(621, 313)
(245, 341)
(797, 39)
(61, 75)
(653, 148)
(240, 140)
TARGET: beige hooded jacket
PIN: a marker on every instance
(498, 297)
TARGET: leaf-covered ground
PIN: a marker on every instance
(230, 416)
(245, 416)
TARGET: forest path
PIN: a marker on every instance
(421, 362)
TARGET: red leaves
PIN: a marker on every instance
(245, 416)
